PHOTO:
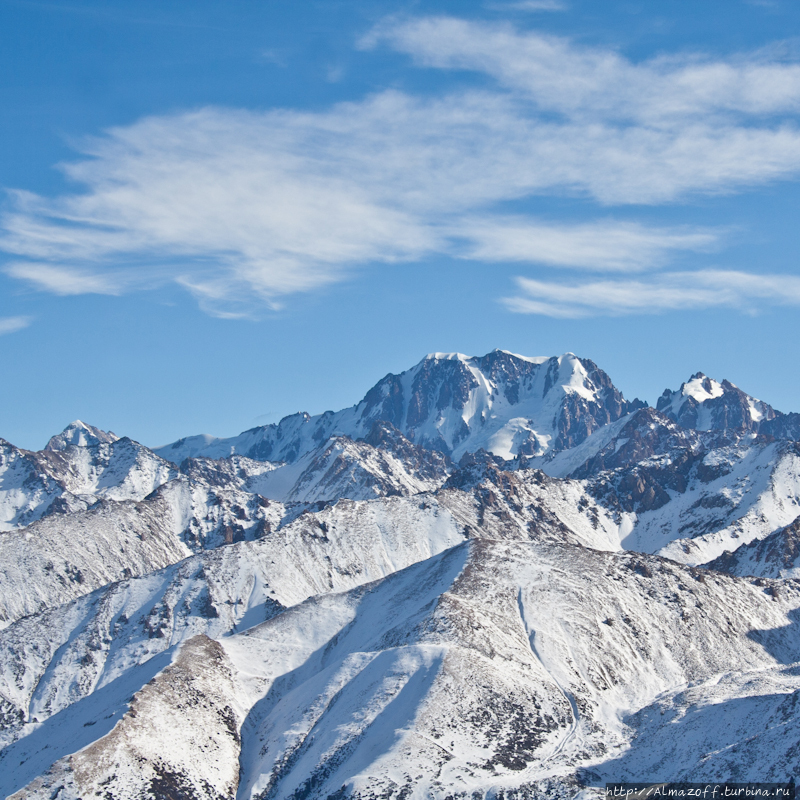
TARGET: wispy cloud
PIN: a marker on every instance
(65, 281)
(604, 245)
(244, 208)
(13, 324)
(657, 294)
(531, 5)
(238, 206)
(593, 84)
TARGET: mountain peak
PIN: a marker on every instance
(502, 402)
(80, 434)
(530, 359)
(446, 357)
(706, 404)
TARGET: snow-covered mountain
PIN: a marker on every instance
(686, 494)
(456, 588)
(383, 463)
(525, 668)
(691, 495)
(74, 477)
(501, 402)
(80, 434)
(705, 404)
(62, 557)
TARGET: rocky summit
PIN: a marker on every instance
(492, 577)
(507, 404)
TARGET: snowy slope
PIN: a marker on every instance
(63, 556)
(75, 549)
(526, 667)
(70, 477)
(28, 486)
(681, 500)
(54, 657)
(382, 464)
(120, 470)
(757, 492)
(491, 502)
(775, 556)
(646, 485)
(49, 563)
(741, 725)
(215, 503)
(504, 403)
(688, 495)
(508, 666)
(177, 738)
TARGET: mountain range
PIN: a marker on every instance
(492, 577)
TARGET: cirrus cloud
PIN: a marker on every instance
(243, 208)
(673, 291)
(13, 324)
(65, 281)
(591, 83)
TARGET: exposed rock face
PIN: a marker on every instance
(782, 426)
(233, 472)
(651, 458)
(775, 556)
(427, 465)
(692, 505)
(646, 433)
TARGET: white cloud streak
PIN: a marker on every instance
(602, 246)
(64, 281)
(13, 324)
(243, 208)
(592, 83)
(532, 5)
(676, 291)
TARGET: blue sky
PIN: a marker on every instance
(217, 214)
